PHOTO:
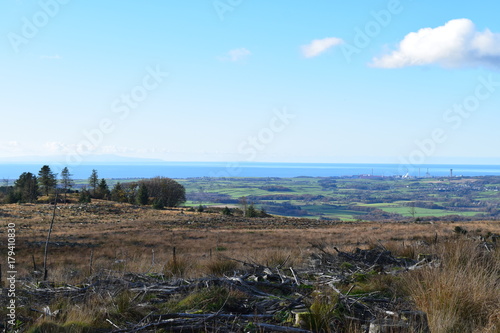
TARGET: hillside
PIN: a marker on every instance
(137, 253)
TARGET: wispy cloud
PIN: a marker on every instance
(318, 46)
(236, 55)
(54, 147)
(455, 44)
(9, 145)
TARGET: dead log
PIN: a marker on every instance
(276, 328)
(163, 317)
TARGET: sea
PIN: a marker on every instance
(246, 169)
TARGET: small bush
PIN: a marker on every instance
(84, 197)
(226, 211)
(251, 211)
(459, 230)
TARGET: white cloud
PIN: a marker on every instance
(54, 147)
(318, 46)
(9, 147)
(236, 55)
(455, 44)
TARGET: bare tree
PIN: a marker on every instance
(412, 210)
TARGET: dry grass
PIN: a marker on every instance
(128, 238)
(220, 266)
(279, 258)
(90, 315)
(463, 294)
(460, 296)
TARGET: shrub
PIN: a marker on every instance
(251, 211)
(226, 211)
(459, 230)
(84, 197)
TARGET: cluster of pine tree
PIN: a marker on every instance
(29, 187)
(159, 192)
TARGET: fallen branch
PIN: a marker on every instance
(276, 328)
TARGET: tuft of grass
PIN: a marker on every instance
(380, 284)
(122, 307)
(399, 249)
(176, 267)
(323, 312)
(462, 295)
(70, 327)
(221, 266)
(276, 258)
(346, 266)
(90, 316)
(208, 300)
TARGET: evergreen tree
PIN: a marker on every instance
(13, 197)
(47, 179)
(84, 197)
(66, 181)
(251, 211)
(103, 190)
(93, 181)
(158, 204)
(118, 194)
(142, 195)
(26, 187)
(226, 211)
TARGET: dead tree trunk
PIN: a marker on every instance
(46, 250)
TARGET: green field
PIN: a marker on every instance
(350, 198)
(354, 199)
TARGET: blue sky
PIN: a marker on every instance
(410, 82)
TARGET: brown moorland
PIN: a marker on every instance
(128, 235)
(103, 237)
